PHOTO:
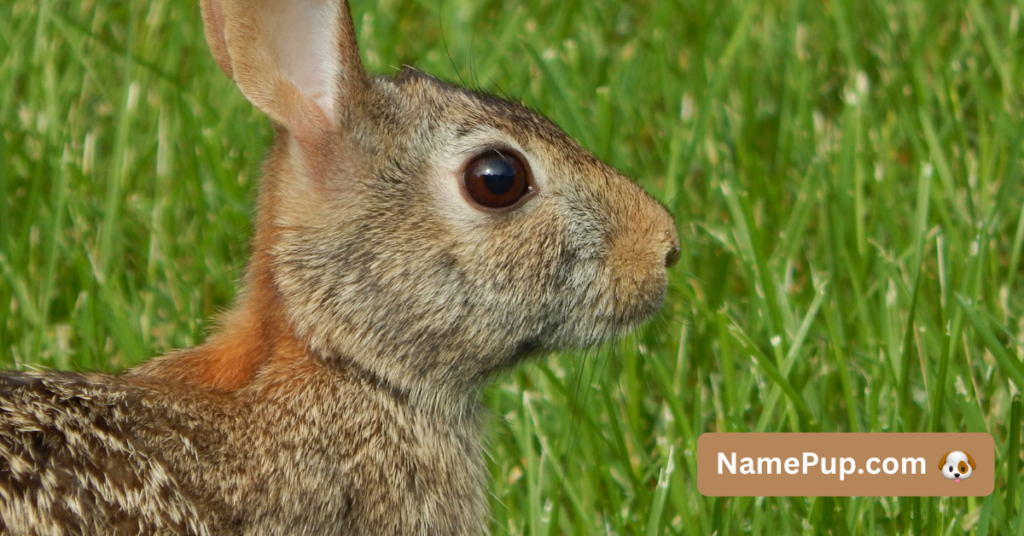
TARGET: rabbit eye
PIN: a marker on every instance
(496, 179)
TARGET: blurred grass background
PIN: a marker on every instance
(846, 176)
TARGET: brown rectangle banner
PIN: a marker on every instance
(845, 465)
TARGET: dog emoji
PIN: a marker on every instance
(957, 464)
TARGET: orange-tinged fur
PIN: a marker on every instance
(255, 331)
(247, 337)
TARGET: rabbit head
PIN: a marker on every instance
(420, 231)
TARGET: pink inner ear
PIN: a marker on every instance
(302, 34)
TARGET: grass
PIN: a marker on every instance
(846, 176)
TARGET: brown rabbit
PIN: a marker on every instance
(413, 238)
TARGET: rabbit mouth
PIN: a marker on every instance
(631, 301)
(620, 318)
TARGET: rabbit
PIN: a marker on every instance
(412, 240)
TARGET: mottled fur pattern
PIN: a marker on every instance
(340, 395)
(301, 449)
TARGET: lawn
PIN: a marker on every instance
(846, 176)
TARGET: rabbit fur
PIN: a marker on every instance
(341, 393)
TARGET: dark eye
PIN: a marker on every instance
(496, 179)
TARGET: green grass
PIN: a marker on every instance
(847, 178)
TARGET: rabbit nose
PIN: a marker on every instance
(672, 256)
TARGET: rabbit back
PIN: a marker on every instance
(74, 459)
(300, 448)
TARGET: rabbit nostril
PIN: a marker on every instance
(672, 257)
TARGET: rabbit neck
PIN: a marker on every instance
(395, 468)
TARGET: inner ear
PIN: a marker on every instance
(296, 60)
(306, 50)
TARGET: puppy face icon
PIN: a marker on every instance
(957, 464)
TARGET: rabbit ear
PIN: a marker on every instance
(297, 60)
(213, 23)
